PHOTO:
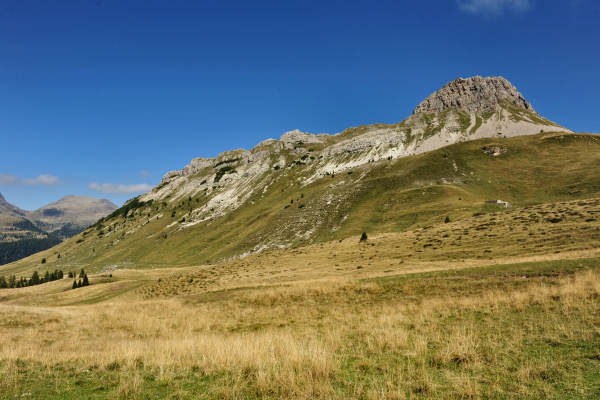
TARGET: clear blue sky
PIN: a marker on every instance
(120, 92)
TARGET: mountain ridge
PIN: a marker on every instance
(25, 232)
(421, 132)
(306, 188)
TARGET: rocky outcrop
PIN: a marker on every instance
(475, 94)
(296, 138)
(464, 109)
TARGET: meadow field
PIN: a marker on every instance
(503, 304)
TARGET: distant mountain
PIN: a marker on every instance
(26, 232)
(8, 209)
(70, 214)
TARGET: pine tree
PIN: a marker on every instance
(47, 277)
(3, 283)
(79, 284)
(35, 278)
(71, 274)
(85, 280)
(60, 274)
(81, 274)
(74, 284)
(12, 281)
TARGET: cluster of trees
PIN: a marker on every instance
(36, 279)
(83, 279)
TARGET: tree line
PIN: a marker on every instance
(35, 279)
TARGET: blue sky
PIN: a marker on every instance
(102, 97)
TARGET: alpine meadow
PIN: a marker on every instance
(374, 263)
(441, 241)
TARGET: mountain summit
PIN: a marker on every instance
(475, 94)
(78, 212)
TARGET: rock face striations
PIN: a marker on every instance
(476, 94)
(464, 109)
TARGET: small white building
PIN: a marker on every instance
(504, 203)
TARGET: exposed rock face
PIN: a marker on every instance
(294, 138)
(464, 109)
(476, 94)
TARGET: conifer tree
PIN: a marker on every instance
(81, 274)
(79, 284)
(35, 278)
(85, 280)
(3, 283)
(74, 284)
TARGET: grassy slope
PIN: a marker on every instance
(526, 330)
(387, 196)
(499, 305)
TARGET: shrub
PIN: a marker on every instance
(363, 237)
(447, 219)
(223, 171)
(43, 261)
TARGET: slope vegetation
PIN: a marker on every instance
(498, 305)
(386, 196)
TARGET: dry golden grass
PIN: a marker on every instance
(512, 236)
(308, 323)
(299, 341)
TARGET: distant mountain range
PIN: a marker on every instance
(25, 232)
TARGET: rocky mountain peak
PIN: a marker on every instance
(2, 199)
(475, 94)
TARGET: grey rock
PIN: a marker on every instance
(475, 94)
